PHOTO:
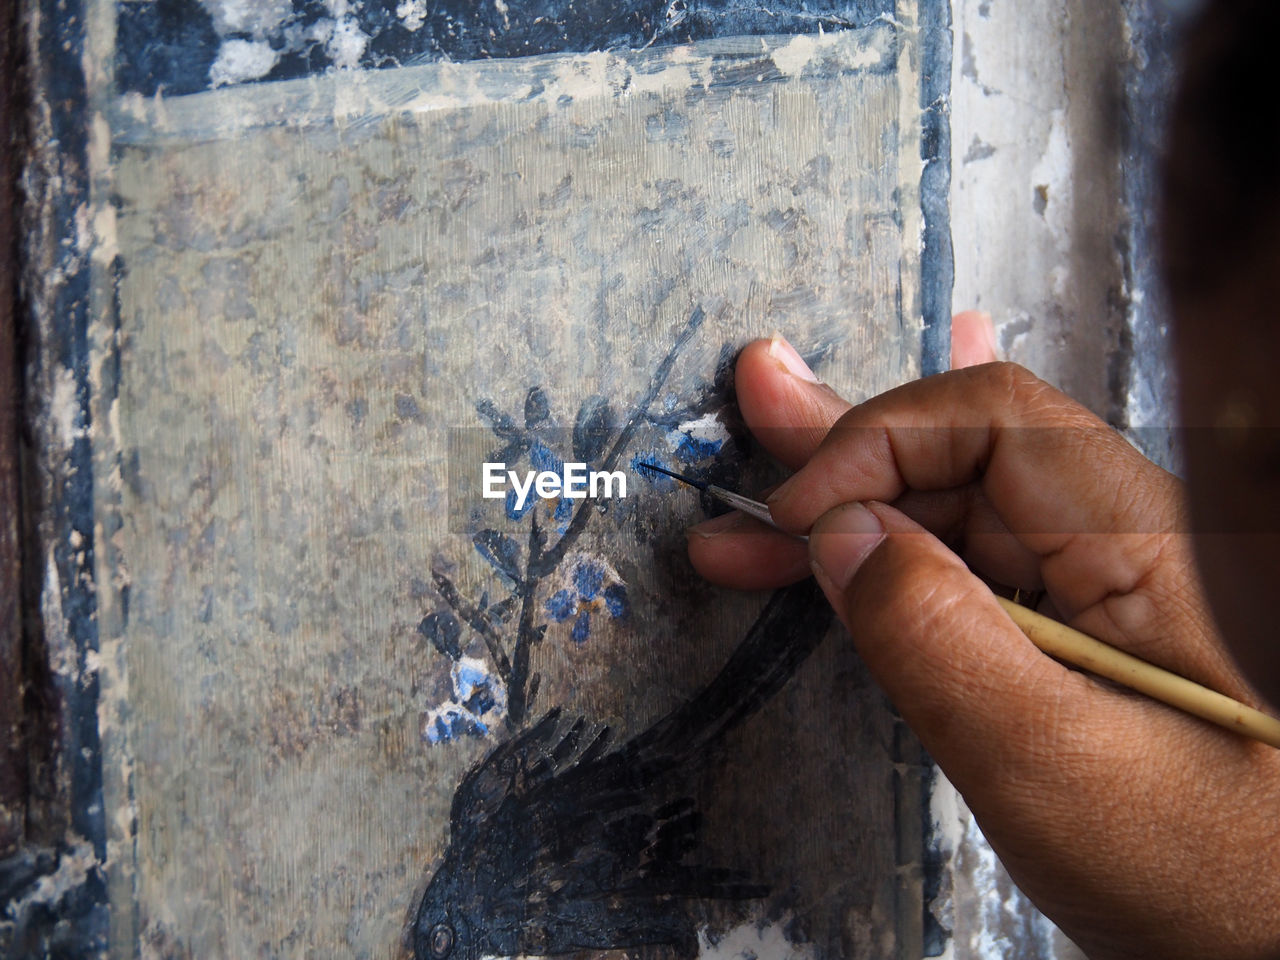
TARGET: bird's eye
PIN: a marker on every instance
(441, 941)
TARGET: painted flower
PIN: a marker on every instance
(594, 587)
(698, 439)
(686, 448)
(478, 704)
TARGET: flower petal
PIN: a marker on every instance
(615, 598)
(560, 606)
(581, 627)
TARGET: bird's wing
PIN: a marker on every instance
(788, 629)
(528, 760)
(635, 852)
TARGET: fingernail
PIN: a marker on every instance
(778, 493)
(791, 361)
(841, 541)
(716, 526)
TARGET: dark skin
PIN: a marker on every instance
(1141, 831)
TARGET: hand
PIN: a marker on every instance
(1141, 831)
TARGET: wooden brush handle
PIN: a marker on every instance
(1082, 650)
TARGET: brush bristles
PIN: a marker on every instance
(698, 484)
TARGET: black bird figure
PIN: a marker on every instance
(560, 842)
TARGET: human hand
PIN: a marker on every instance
(1141, 831)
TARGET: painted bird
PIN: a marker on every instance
(560, 841)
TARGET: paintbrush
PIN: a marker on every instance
(1075, 648)
(752, 508)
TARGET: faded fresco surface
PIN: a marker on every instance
(333, 296)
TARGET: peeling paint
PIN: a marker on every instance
(65, 413)
(59, 649)
(751, 941)
(74, 868)
(448, 86)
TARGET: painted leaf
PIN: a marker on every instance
(444, 633)
(501, 551)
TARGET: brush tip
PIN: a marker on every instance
(654, 468)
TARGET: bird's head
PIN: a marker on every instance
(439, 930)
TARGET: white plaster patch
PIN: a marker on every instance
(84, 228)
(258, 18)
(706, 433)
(794, 56)
(707, 427)
(61, 654)
(99, 143)
(241, 60)
(64, 409)
(412, 14)
(104, 234)
(751, 941)
(679, 76)
(319, 32)
(347, 44)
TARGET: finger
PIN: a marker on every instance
(953, 663)
(973, 339)
(737, 551)
(782, 402)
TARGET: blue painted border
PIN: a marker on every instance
(937, 261)
(55, 324)
(170, 45)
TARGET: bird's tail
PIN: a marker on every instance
(788, 629)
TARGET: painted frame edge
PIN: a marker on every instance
(13, 765)
(937, 260)
(52, 886)
(920, 775)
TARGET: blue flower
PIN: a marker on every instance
(478, 703)
(594, 586)
(449, 724)
(561, 605)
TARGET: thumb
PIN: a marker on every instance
(966, 680)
